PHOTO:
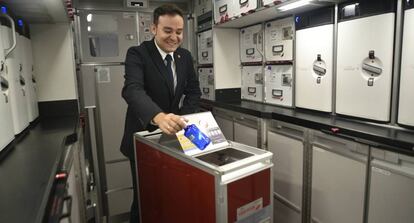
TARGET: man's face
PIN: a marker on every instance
(168, 32)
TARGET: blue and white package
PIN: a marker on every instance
(197, 137)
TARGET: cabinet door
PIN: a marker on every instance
(338, 180)
(111, 108)
(226, 127)
(106, 36)
(73, 191)
(245, 134)
(391, 190)
(287, 176)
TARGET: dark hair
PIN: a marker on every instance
(167, 9)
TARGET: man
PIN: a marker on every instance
(157, 74)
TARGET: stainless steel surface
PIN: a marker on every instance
(87, 86)
(98, 182)
(391, 183)
(114, 168)
(288, 148)
(170, 148)
(334, 57)
(397, 62)
(225, 122)
(245, 134)
(338, 179)
(350, 149)
(287, 203)
(111, 109)
(282, 213)
(247, 129)
(103, 35)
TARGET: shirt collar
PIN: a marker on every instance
(162, 52)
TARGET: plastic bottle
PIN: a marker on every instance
(198, 138)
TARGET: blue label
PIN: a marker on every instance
(197, 137)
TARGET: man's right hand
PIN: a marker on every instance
(169, 123)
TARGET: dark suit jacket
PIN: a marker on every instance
(147, 90)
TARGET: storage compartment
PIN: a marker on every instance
(106, 36)
(111, 109)
(225, 122)
(288, 172)
(224, 10)
(314, 52)
(246, 130)
(205, 47)
(391, 197)
(242, 7)
(365, 59)
(119, 202)
(251, 44)
(338, 180)
(206, 78)
(279, 85)
(252, 83)
(279, 35)
(406, 105)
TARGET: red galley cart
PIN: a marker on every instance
(228, 184)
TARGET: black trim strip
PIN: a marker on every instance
(319, 17)
(228, 95)
(365, 8)
(58, 108)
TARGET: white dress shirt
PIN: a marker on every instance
(163, 55)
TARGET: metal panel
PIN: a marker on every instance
(242, 7)
(205, 47)
(391, 185)
(31, 78)
(112, 109)
(17, 83)
(287, 174)
(202, 6)
(87, 85)
(6, 121)
(245, 134)
(226, 126)
(226, 58)
(73, 189)
(27, 73)
(314, 47)
(338, 180)
(251, 44)
(252, 83)
(278, 88)
(223, 10)
(206, 77)
(106, 36)
(284, 214)
(279, 35)
(144, 26)
(119, 202)
(406, 105)
(118, 175)
(365, 55)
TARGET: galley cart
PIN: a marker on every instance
(232, 183)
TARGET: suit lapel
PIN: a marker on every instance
(160, 65)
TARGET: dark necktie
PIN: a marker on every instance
(168, 58)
